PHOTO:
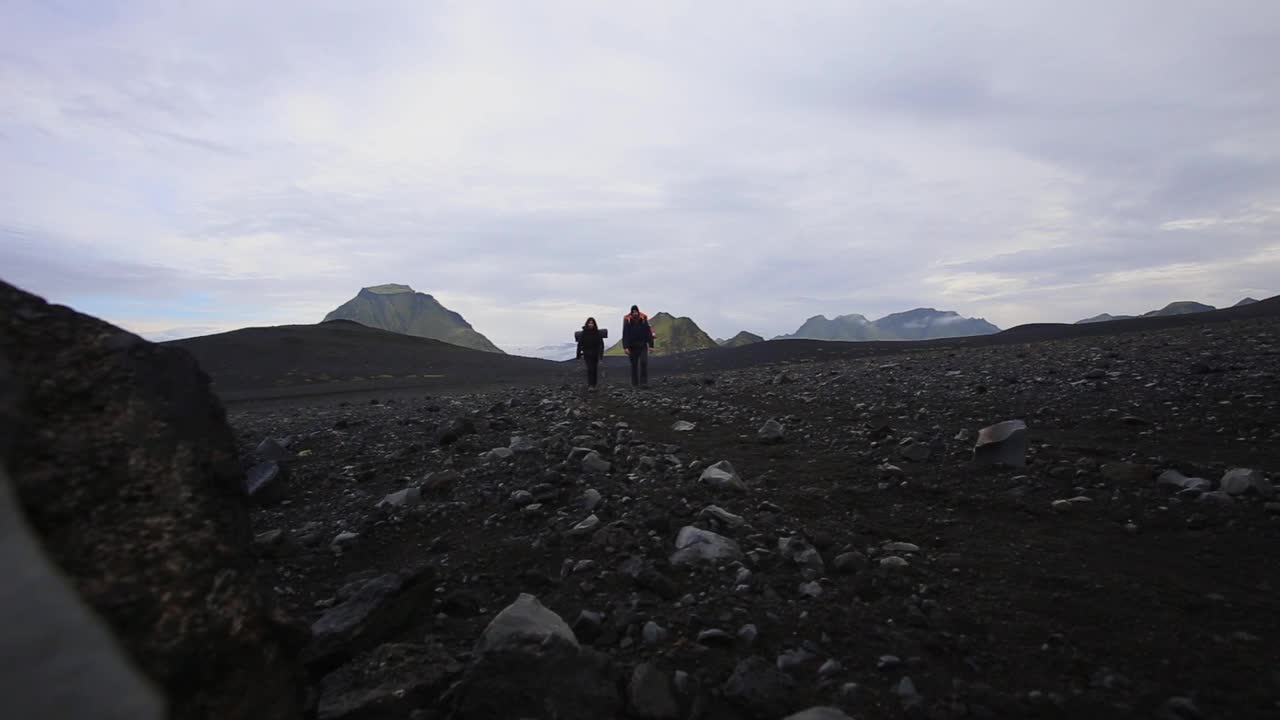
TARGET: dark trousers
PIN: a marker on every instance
(639, 365)
(593, 368)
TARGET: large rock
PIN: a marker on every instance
(1239, 481)
(372, 614)
(722, 476)
(128, 473)
(695, 545)
(54, 642)
(392, 680)
(1002, 444)
(525, 622)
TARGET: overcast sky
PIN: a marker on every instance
(211, 165)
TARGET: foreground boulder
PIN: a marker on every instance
(59, 643)
(128, 474)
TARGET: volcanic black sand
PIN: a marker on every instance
(1076, 586)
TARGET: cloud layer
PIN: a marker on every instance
(179, 168)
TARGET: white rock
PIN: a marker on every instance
(722, 476)
(586, 527)
(695, 545)
(524, 622)
(404, 498)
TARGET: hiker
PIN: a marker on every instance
(591, 350)
(637, 339)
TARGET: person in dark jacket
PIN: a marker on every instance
(637, 340)
(591, 350)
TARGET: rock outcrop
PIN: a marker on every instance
(128, 474)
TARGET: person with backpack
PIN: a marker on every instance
(637, 340)
(591, 351)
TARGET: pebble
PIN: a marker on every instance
(714, 636)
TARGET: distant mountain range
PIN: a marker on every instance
(1184, 307)
(559, 351)
(742, 338)
(399, 308)
(674, 335)
(918, 324)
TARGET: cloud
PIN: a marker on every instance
(747, 164)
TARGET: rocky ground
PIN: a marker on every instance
(754, 542)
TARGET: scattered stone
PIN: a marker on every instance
(771, 432)
(590, 499)
(722, 516)
(457, 429)
(402, 499)
(372, 613)
(593, 462)
(792, 660)
(499, 455)
(650, 694)
(722, 476)
(521, 498)
(849, 563)
(653, 634)
(758, 688)
(588, 625)
(390, 681)
(695, 545)
(264, 483)
(344, 539)
(586, 527)
(811, 589)
(747, 634)
(1061, 506)
(272, 450)
(901, 547)
(893, 561)
(889, 471)
(1239, 481)
(915, 452)
(522, 623)
(683, 426)
(1178, 481)
(440, 482)
(906, 691)
(714, 636)
(1002, 444)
